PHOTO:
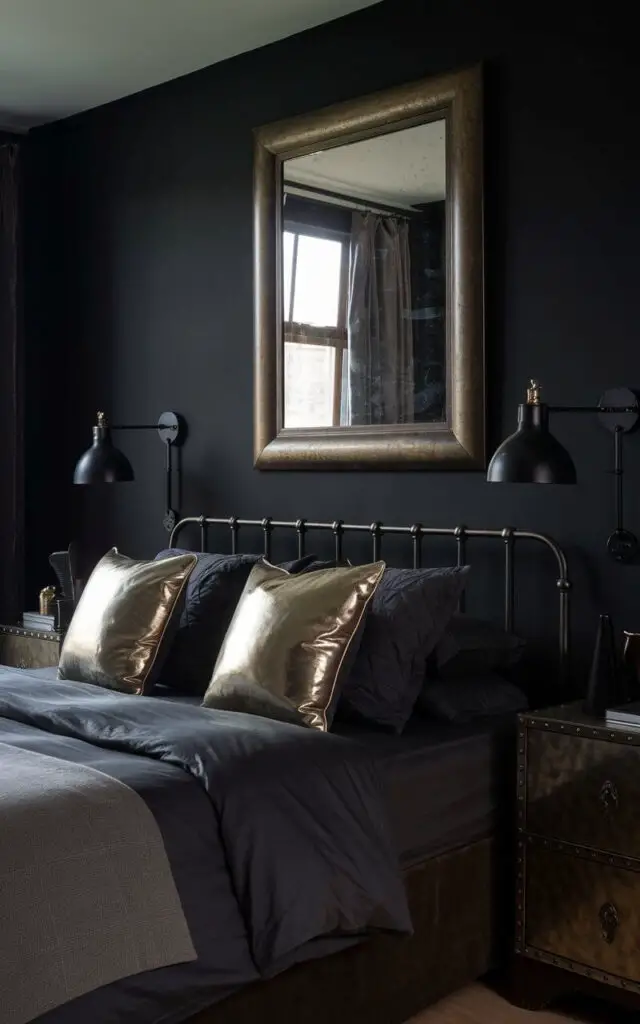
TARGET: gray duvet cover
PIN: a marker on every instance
(275, 834)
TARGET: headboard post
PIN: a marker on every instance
(376, 533)
(338, 532)
(301, 528)
(460, 533)
(267, 528)
(507, 536)
(416, 534)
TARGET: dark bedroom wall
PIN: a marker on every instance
(140, 279)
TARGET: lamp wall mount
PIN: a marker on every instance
(171, 428)
(619, 410)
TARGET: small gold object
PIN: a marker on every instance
(102, 419)
(533, 392)
(46, 598)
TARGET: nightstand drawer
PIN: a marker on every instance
(583, 791)
(28, 651)
(586, 912)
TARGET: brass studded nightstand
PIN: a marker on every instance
(28, 648)
(578, 858)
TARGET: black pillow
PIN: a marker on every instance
(471, 646)
(406, 618)
(303, 564)
(465, 700)
(211, 595)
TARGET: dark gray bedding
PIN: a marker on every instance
(445, 785)
(276, 835)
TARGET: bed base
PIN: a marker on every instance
(459, 934)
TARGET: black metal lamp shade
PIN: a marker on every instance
(532, 455)
(103, 463)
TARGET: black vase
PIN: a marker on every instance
(605, 682)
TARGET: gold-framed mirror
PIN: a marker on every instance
(369, 317)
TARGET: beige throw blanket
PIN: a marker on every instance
(86, 890)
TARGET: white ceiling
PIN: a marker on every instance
(398, 169)
(58, 57)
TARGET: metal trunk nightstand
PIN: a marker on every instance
(28, 648)
(577, 922)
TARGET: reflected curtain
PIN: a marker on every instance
(380, 337)
(11, 428)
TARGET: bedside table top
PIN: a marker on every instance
(573, 721)
(36, 634)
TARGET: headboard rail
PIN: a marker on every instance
(416, 533)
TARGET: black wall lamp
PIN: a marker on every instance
(533, 455)
(103, 463)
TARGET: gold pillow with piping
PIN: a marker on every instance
(289, 639)
(120, 629)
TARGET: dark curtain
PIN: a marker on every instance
(381, 381)
(11, 426)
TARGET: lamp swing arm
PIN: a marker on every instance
(173, 427)
(594, 408)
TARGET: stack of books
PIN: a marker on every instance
(36, 621)
(627, 715)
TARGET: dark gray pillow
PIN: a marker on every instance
(211, 595)
(307, 563)
(407, 616)
(464, 700)
(472, 646)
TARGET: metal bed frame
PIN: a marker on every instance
(417, 533)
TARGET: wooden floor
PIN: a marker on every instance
(479, 1005)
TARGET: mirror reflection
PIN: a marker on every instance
(364, 283)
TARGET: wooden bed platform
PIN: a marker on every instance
(459, 934)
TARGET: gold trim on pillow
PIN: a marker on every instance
(115, 637)
(288, 640)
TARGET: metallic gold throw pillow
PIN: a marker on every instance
(117, 631)
(288, 641)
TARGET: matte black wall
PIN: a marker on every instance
(140, 280)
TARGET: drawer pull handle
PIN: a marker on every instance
(609, 797)
(609, 921)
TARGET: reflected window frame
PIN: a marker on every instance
(336, 337)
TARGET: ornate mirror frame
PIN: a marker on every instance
(458, 442)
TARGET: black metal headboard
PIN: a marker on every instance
(416, 533)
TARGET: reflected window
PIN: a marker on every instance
(316, 282)
(315, 264)
(309, 384)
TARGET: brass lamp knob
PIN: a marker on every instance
(533, 393)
